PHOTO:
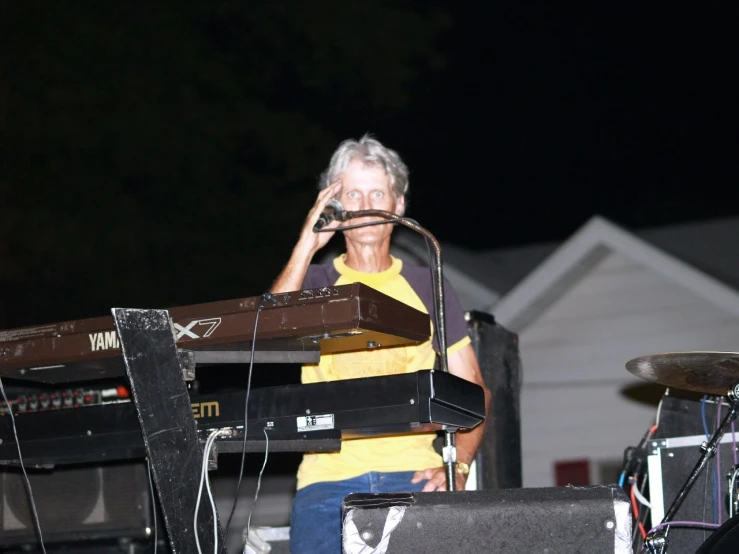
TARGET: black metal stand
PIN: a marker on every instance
(657, 541)
(167, 423)
(437, 271)
(450, 458)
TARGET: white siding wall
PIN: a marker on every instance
(574, 357)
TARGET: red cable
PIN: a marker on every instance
(636, 512)
(651, 431)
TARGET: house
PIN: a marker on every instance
(583, 308)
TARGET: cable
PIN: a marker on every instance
(704, 420)
(265, 297)
(212, 507)
(732, 491)
(635, 457)
(204, 478)
(651, 431)
(635, 507)
(27, 482)
(259, 484)
(717, 500)
(698, 524)
(633, 479)
(200, 491)
(645, 513)
(659, 409)
(153, 503)
(705, 503)
(640, 497)
(732, 482)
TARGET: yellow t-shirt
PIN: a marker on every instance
(411, 452)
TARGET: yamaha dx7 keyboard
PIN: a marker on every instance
(296, 329)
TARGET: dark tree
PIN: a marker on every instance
(166, 154)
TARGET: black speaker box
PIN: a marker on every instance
(76, 503)
(674, 452)
(675, 466)
(561, 520)
(499, 456)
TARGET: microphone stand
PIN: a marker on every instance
(450, 440)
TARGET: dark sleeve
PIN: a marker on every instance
(320, 275)
(419, 278)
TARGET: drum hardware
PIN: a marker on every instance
(711, 373)
(733, 491)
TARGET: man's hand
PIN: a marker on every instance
(309, 240)
(437, 479)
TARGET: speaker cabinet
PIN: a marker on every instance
(557, 520)
(76, 503)
(499, 456)
(673, 453)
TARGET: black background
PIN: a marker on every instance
(167, 154)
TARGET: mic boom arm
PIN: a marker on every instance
(437, 269)
(450, 438)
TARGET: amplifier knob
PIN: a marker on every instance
(56, 400)
(21, 404)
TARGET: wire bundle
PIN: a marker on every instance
(633, 480)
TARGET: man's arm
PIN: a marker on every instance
(293, 274)
(462, 363)
(310, 242)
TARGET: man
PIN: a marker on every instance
(362, 175)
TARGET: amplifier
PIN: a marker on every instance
(673, 453)
(553, 520)
(670, 462)
(76, 503)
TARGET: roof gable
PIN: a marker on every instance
(581, 253)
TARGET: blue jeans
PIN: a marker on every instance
(315, 524)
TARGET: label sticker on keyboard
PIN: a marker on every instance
(315, 422)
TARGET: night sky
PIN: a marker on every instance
(167, 155)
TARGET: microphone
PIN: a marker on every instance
(333, 211)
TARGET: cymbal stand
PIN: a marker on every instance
(656, 541)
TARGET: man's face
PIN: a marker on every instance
(367, 187)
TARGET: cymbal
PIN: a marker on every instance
(713, 373)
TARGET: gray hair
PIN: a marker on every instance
(370, 152)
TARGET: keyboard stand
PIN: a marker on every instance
(168, 427)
